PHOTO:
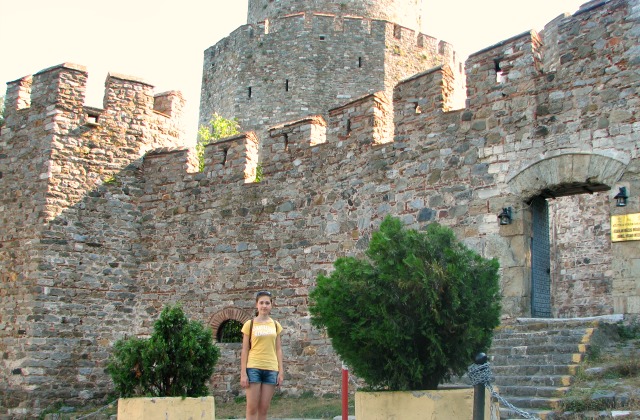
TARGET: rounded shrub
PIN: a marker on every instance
(177, 360)
(414, 312)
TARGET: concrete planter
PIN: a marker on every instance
(409, 405)
(166, 408)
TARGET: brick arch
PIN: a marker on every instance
(567, 168)
(226, 314)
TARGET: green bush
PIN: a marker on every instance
(412, 314)
(177, 360)
(630, 331)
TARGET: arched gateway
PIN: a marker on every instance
(550, 276)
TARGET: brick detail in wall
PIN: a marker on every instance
(227, 314)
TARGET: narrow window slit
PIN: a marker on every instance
(249, 91)
(359, 62)
(286, 142)
(92, 117)
(500, 76)
(225, 152)
(397, 31)
(286, 85)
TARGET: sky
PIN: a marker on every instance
(163, 41)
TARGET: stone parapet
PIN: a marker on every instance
(405, 12)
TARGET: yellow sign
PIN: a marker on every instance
(625, 227)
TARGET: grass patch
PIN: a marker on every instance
(576, 404)
(282, 406)
(629, 331)
(609, 378)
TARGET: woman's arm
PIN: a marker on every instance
(280, 362)
(244, 356)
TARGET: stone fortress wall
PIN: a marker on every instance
(105, 218)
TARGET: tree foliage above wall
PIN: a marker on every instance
(218, 128)
(1, 111)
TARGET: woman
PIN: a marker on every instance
(261, 367)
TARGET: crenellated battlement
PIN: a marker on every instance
(365, 121)
(46, 118)
(63, 87)
(325, 27)
(510, 67)
(233, 158)
(405, 12)
(422, 99)
(287, 148)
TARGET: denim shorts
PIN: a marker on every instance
(269, 377)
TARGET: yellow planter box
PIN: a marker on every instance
(166, 408)
(419, 405)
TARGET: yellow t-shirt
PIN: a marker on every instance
(262, 354)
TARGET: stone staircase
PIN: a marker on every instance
(534, 361)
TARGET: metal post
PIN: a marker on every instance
(345, 392)
(478, 391)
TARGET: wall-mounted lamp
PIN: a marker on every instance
(621, 197)
(504, 217)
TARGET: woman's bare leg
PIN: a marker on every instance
(265, 400)
(254, 394)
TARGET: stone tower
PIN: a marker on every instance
(298, 58)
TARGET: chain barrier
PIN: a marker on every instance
(481, 374)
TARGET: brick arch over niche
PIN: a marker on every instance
(581, 169)
(227, 314)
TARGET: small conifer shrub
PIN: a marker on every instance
(414, 312)
(177, 360)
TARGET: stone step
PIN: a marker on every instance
(541, 338)
(532, 359)
(532, 370)
(545, 327)
(535, 380)
(539, 349)
(510, 414)
(558, 330)
(533, 391)
(533, 403)
(533, 324)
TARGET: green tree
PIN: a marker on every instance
(414, 312)
(218, 128)
(177, 360)
(1, 111)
